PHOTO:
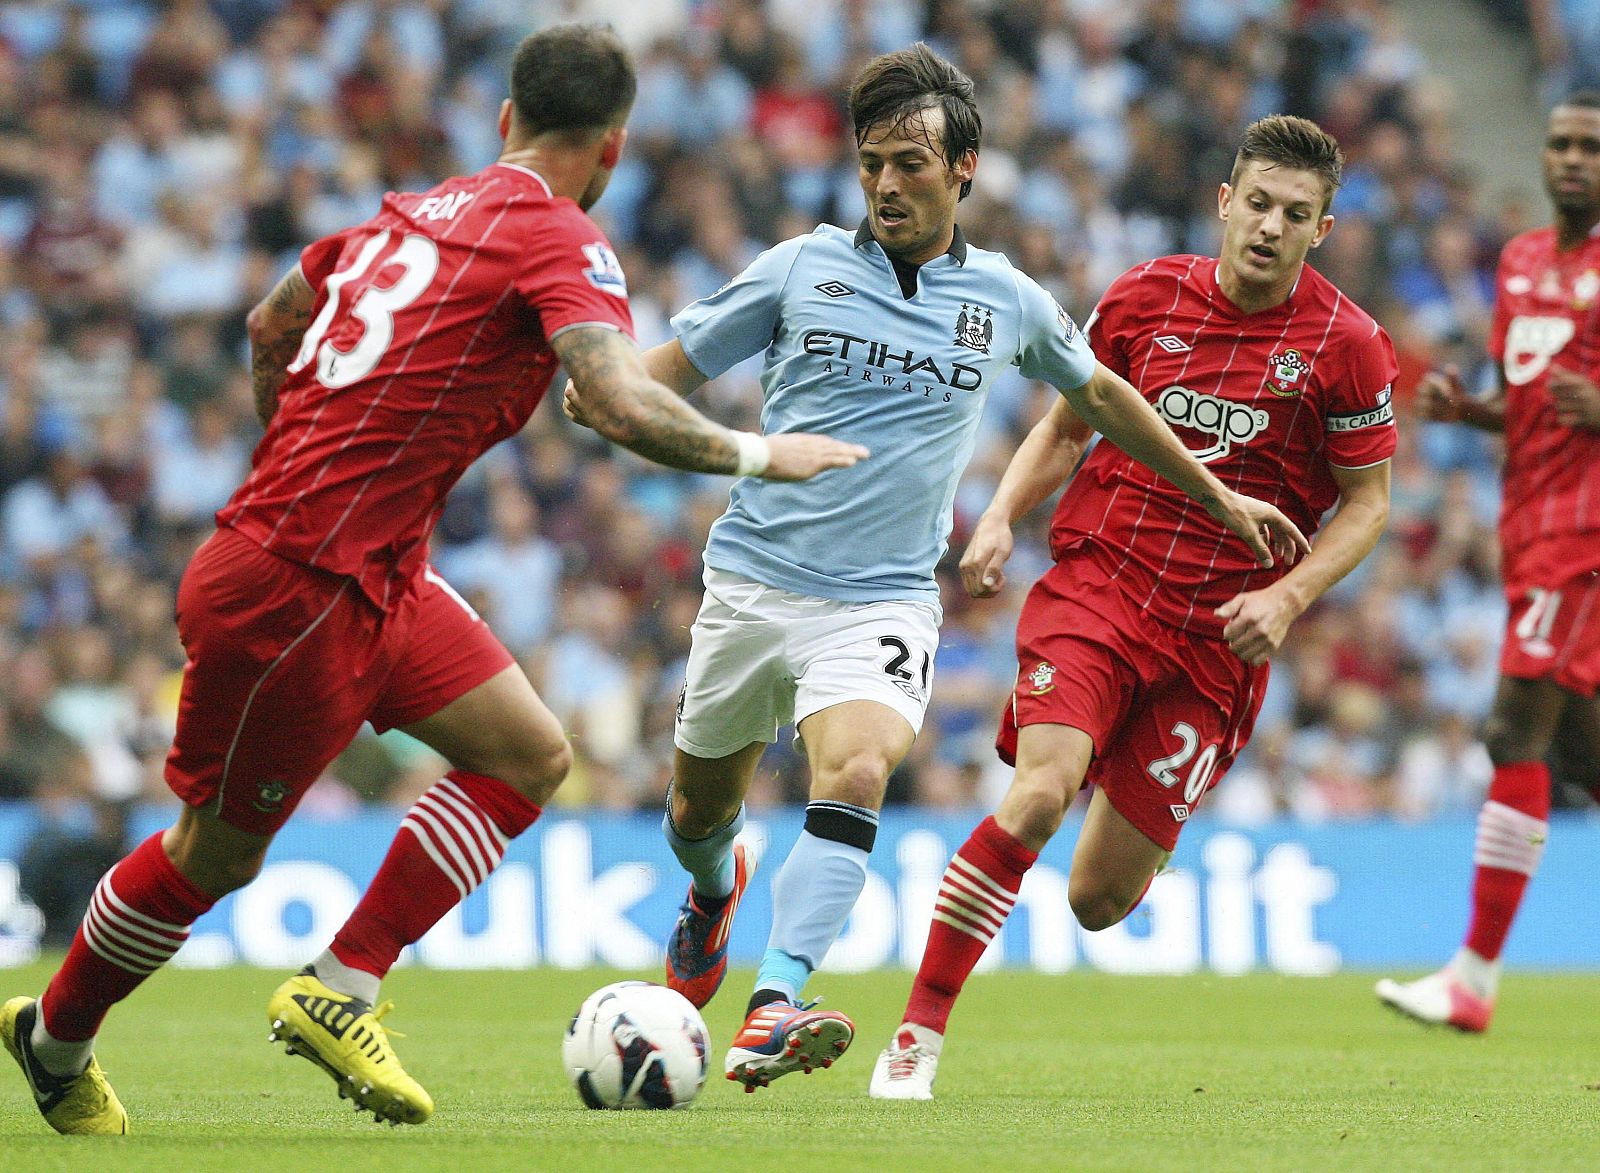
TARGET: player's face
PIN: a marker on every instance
(911, 189)
(1271, 219)
(1572, 160)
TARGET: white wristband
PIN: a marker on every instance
(754, 454)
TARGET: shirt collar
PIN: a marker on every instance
(957, 249)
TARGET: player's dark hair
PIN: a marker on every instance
(1285, 140)
(1586, 99)
(897, 85)
(572, 78)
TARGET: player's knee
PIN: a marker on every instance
(1508, 740)
(1095, 906)
(213, 856)
(859, 779)
(537, 776)
(215, 873)
(1034, 807)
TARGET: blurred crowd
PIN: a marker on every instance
(161, 164)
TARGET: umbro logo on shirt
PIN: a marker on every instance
(834, 289)
(1172, 344)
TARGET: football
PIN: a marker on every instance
(636, 1045)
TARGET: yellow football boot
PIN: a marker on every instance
(342, 1035)
(84, 1105)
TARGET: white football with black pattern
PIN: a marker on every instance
(636, 1045)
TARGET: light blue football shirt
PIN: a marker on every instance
(847, 355)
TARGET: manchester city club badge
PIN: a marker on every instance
(975, 327)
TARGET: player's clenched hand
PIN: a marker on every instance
(1441, 395)
(1269, 534)
(983, 565)
(1256, 623)
(1577, 399)
(799, 456)
(570, 408)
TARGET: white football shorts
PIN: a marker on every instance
(761, 657)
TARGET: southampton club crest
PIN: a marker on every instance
(975, 327)
(270, 796)
(1286, 373)
(1042, 678)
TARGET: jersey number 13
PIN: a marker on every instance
(375, 306)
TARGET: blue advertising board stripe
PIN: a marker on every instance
(587, 888)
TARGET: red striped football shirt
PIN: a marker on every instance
(1268, 401)
(429, 343)
(1547, 313)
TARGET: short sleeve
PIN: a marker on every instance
(571, 277)
(1051, 346)
(1108, 324)
(320, 258)
(742, 317)
(1360, 416)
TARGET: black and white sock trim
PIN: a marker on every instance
(842, 822)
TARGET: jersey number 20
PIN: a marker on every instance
(375, 306)
(1165, 770)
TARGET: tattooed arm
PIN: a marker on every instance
(275, 327)
(619, 399)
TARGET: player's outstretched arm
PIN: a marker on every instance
(1442, 396)
(1257, 621)
(618, 398)
(1042, 462)
(666, 364)
(1110, 404)
(276, 325)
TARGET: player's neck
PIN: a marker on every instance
(565, 172)
(1575, 230)
(1251, 298)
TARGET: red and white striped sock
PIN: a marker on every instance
(976, 895)
(1512, 828)
(448, 843)
(138, 918)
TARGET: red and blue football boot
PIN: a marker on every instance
(697, 953)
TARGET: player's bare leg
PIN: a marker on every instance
(705, 813)
(1575, 751)
(509, 755)
(1112, 866)
(139, 917)
(976, 895)
(852, 747)
(1512, 828)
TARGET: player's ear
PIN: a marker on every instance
(1224, 197)
(505, 119)
(611, 146)
(966, 166)
(1324, 226)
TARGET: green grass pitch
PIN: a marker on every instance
(1081, 1071)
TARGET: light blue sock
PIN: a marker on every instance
(710, 860)
(814, 891)
(787, 975)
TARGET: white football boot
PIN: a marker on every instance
(1440, 999)
(906, 1067)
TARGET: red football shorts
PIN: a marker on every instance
(1553, 632)
(284, 664)
(1168, 711)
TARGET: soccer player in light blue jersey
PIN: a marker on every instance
(821, 606)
